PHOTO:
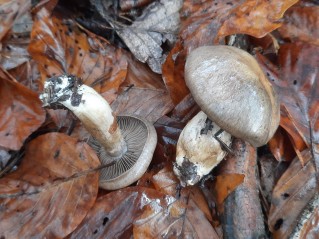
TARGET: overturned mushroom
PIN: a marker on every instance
(231, 89)
(128, 140)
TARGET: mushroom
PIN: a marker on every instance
(199, 149)
(231, 89)
(127, 140)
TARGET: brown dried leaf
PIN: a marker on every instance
(11, 10)
(158, 23)
(173, 74)
(311, 225)
(186, 217)
(155, 103)
(114, 214)
(45, 197)
(255, 18)
(269, 171)
(242, 215)
(20, 113)
(293, 191)
(14, 46)
(280, 146)
(141, 81)
(301, 24)
(28, 75)
(60, 47)
(297, 86)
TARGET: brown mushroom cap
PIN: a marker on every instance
(140, 137)
(230, 87)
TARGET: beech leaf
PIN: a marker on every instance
(158, 23)
(20, 113)
(43, 198)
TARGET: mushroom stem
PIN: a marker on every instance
(90, 107)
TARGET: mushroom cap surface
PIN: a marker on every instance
(141, 138)
(230, 87)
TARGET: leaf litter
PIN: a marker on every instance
(158, 208)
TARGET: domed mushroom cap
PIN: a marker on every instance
(230, 87)
(140, 138)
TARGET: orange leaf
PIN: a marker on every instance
(20, 113)
(301, 23)
(227, 183)
(44, 197)
(60, 47)
(291, 194)
(255, 18)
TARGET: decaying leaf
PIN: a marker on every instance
(158, 23)
(113, 215)
(301, 23)
(60, 47)
(20, 113)
(11, 10)
(141, 81)
(297, 86)
(187, 216)
(291, 194)
(155, 103)
(308, 225)
(255, 18)
(280, 146)
(44, 198)
(269, 170)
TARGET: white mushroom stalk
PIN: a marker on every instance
(199, 150)
(94, 112)
(126, 140)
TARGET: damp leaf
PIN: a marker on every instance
(44, 197)
(20, 113)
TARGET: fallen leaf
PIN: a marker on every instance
(301, 23)
(187, 216)
(270, 171)
(14, 46)
(254, 18)
(173, 74)
(280, 146)
(168, 131)
(144, 37)
(140, 80)
(28, 75)
(20, 113)
(155, 103)
(293, 191)
(44, 198)
(297, 85)
(11, 10)
(310, 226)
(114, 214)
(59, 46)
